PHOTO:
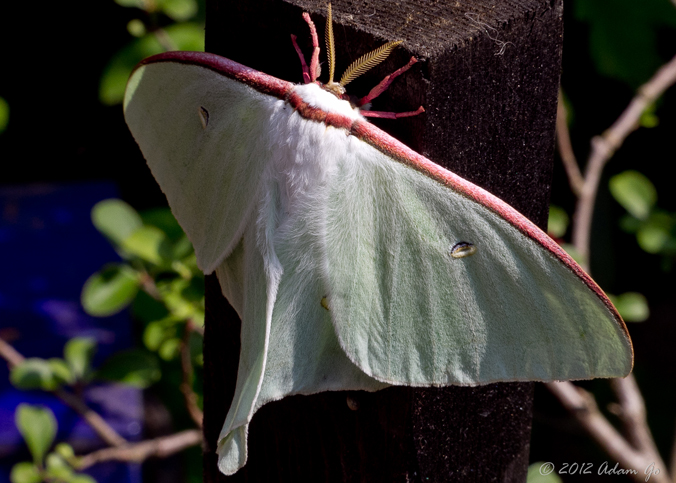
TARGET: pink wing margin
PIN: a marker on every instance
(385, 143)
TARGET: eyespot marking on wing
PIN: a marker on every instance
(463, 249)
(204, 116)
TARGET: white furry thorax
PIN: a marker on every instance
(304, 151)
(317, 97)
(304, 156)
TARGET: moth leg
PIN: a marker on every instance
(311, 74)
(392, 115)
(385, 83)
(314, 61)
(306, 72)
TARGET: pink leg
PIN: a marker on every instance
(384, 84)
(314, 62)
(391, 115)
(306, 73)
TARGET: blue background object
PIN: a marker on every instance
(49, 248)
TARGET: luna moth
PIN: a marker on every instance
(354, 262)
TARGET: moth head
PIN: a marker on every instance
(360, 66)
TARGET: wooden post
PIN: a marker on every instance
(488, 79)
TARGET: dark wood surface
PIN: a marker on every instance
(488, 79)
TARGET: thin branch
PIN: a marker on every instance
(605, 145)
(137, 452)
(97, 423)
(583, 407)
(149, 286)
(575, 179)
(10, 354)
(187, 370)
(164, 40)
(642, 452)
(633, 413)
(197, 328)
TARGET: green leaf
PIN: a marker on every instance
(558, 222)
(632, 306)
(147, 309)
(183, 269)
(25, 472)
(65, 451)
(148, 243)
(109, 290)
(135, 367)
(81, 478)
(36, 373)
(184, 298)
(115, 219)
(656, 233)
(541, 472)
(4, 114)
(131, 3)
(634, 192)
(158, 331)
(61, 371)
(78, 352)
(37, 425)
(623, 35)
(648, 117)
(164, 220)
(136, 28)
(178, 10)
(184, 36)
(194, 291)
(57, 468)
(181, 248)
(198, 318)
(170, 348)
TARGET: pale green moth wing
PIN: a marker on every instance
(210, 174)
(193, 157)
(407, 312)
(354, 262)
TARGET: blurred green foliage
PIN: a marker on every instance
(160, 279)
(50, 374)
(185, 31)
(557, 225)
(37, 425)
(159, 262)
(623, 35)
(536, 470)
(4, 115)
(655, 228)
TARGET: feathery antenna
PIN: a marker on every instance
(367, 62)
(330, 48)
(358, 67)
